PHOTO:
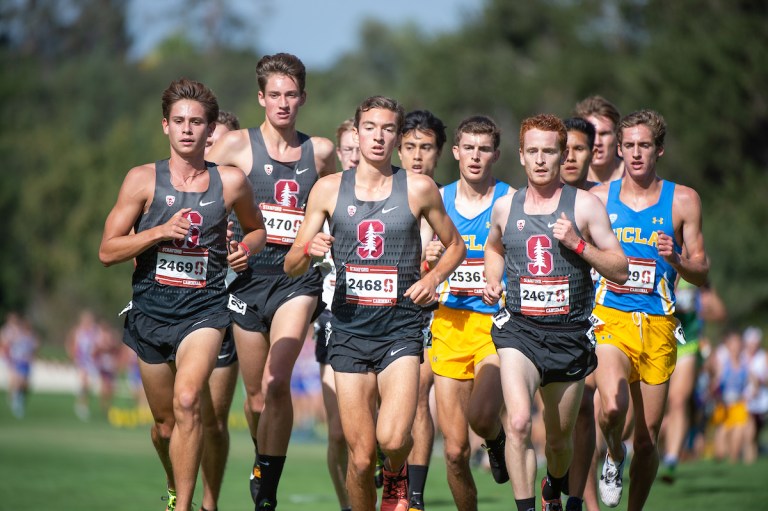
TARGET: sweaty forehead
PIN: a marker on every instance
(540, 138)
(420, 136)
(601, 123)
(476, 139)
(380, 116)
(187, 108)
(577, 137)
(280, 82)
(639, 133)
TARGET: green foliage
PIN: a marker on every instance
(81, 115)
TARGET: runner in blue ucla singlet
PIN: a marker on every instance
(658, 224)
(463, 356)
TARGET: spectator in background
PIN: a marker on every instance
(18, 345)
(731, 377)
(757, 391)
(81, 343)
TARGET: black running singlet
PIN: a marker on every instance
(545, 280)
(177, 279)
(281, 190)
(377, 251)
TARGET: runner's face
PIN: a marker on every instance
(541, 157)
(348, 150)
(476, 156)
(217, 133)
(281, 99)
(377, 135)
(639, 151)
(418, 152)
(574, 169)
(186, 127)
(605, 141)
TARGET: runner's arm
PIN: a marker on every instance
(311, 241)
(494, 252)
(423, 191)
(117, 242)
(325, 156)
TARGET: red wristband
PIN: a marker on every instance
(425, 267)
(580, 247)
(245, 249)
(306, 250)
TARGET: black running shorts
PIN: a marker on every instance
(255, 298)
(351, 354)
(156, 342)
(561, 353)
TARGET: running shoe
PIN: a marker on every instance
(378, 474)
(266, 504)
(611, 480)
(415, 504)
(394, 496)
(255, 482)
(171, 498)
(497, 459)
(549, 505)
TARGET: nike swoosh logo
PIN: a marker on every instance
(222, 357)
(301, 171)
(573, 372)
(552, 225)
(203, 204)
(202, 321)
(387, 210)
(395, 352)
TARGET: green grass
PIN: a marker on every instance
(51, 460)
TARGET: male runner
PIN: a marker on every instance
(659, 226)
(421, 144)
(463, 357)
(580, 146)
(221, 383)
(606, 165)
(574, 171)
(547, 236)
(348, 151)
(272, 312)
(376, 337)
(171, 216)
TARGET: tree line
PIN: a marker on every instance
(80, 111)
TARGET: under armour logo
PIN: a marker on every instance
(659, 221)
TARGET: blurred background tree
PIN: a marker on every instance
(79, 110)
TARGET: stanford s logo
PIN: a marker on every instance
(538, 249)
(370, 234)
(287, 193)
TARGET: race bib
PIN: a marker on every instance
(282, 222)
(500, 318)
(642, 275)
(181, 267)
(235, 304)
(544, 296)
(371, 285)
(468, 279)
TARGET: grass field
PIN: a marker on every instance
(52, 461)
